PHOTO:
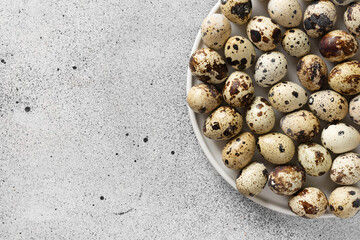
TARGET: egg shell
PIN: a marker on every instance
(203, 98)
(312, 72)
(252, 179)
(328, 105)
(344, 202)
(340, 137)
(239, 53)
(314, 159)
(264, 33)
(222, 124)
(354, 110)
(286, 13)
(260, 116)
(310, 203)
(276, 148)
(237, 11)
(338, 46)
(295, 42)
(319, 18)
(208, 66)
(215, 31)
(342, 2)
(300, 125)
(270, 68)
(239, 89)
(287, 96)
(352, 19)
(286, 180)
(239, 151)
(345, 78)
(345, 169)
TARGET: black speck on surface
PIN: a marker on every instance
(74, 67)
(172, 152)
(102, 198)
(27, 109)
(3, 61)
(146, 139)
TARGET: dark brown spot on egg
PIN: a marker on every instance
(255, 36)
(356, 203)
(309, 208)
(320, 22)
(242, 10)
(234, 88)
(276, 35)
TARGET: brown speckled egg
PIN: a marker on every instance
(287, 96)
(237, 11)
(328, 105)
(345, 169)
(310, 203)
(314, 159)
(260, 116)
(208, 66)
(276, 148)
(238, 90)
(287, 14)
(239, 151)
(312, 72)
(354, 109)
(239, 53)
(264, 33)
(222, 124)
(215, 31)
(203, 98)
(295, 42)
(319, 18)
(342, 2)
(344, 202)
(252, 179)
(345, 78)
(300, 126)
(270, 68)
(352, 19)
(286, 180)
(338, 45)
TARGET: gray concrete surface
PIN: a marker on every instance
(96, 141)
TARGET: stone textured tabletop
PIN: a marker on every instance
(96, 141)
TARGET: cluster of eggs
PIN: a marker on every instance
(237, 90)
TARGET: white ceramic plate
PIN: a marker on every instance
(212, 149)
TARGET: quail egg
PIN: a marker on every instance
(260, 116)
(344, 202)
(342, 2)
(238, 90)
(286, 180)
(352, 19)
(222, 124)
(239, 151)
(215, 31)
(203, 98)
(237, 11)
(354, 110)
(340, 137)
(345, 169)
(263, 33)
(301, 125)
(270, 68)
(208, 66)
(240, 53)
(252, 179)
(295, 42)
(344, 78)
(312, 72)
(286, 13)
(314, 159)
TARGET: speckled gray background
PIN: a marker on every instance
(96, 141)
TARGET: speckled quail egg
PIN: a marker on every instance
(328, 105)
(312, 72)
(252, 179)
(287, 96)
(344, 78)
(239, 151)
(215, 31)
(238, 90)
(270, 68)
(301, 125)
(345, 169)
(240, 53)
(314, 159)
(237, 11)
(276, 148)
(295, 42)
(352, 19)
(222, 124)
(344, 202)
(286, 13)
(263, 33)
(203, 98)
(354, 110)
(319, 18)
(260, 116)
(310, 202)
(340, 137)
(338, 45)
(208, 66)
(342, 2)
(286, 180)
